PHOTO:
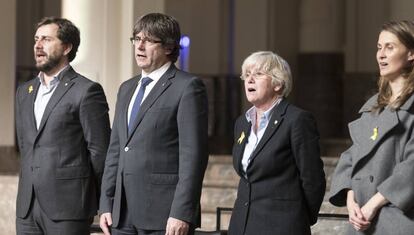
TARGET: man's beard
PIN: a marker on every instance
(51, 62)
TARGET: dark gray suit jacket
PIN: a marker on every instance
(160, 165)
(285, 181)
(63, 161)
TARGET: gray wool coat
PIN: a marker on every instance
(381, 159)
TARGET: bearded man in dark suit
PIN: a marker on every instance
(63, 133)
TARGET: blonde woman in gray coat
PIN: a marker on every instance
(374, 178)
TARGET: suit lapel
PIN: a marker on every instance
(274, 123)
(155, 93)
(28, 97)
(64, 85)
(35, 84)
(242, 135)
(370, 131)
(128, 97)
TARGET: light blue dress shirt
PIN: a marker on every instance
(254, 138)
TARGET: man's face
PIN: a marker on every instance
(48, 48)
(150, 54)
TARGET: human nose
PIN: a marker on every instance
(250, 78)
(140, 44)
(381, 53)
(38, 43)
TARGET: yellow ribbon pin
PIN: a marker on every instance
(241, 138)
(30, 89)
(374, 133)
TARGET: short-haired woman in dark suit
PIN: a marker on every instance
(276, 153)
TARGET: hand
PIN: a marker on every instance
(369, 211)
(356, 217)
(176, 227)
(371, 208)
(105, 221)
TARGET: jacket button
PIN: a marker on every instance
(126, 149)
(246, 203)
(371, 178)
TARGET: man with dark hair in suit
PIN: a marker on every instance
(157, 154)
(63, 132)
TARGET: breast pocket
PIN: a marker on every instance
(163, 118)
(64, 115)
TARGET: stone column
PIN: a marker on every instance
(318, 87)
(7, 75)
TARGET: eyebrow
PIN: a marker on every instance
(387, 43)
(43, 36)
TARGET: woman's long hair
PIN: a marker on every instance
(404, 31)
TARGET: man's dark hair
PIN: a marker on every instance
(68, 33)
(163, 27)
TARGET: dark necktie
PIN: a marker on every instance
(137, 103)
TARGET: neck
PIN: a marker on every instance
(396, 86)
(261, 109)
(48, 75)
(266, 106)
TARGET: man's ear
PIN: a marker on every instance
(168, 50)
(68, 48)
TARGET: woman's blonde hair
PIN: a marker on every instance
(404, 31)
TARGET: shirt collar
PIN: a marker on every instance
(56, 78)
(251, 113)
(156, 74)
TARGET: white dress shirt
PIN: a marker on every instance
(155, 76)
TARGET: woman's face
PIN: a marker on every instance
(260, 91)
(392, 56)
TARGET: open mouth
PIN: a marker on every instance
(40, 54)
(251, 89)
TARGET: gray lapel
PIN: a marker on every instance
(274, 123)
(27, 106)
(64, 85)
(35, 84)
(155, 93)
(363, 133)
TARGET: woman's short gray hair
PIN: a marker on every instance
(273, 65)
